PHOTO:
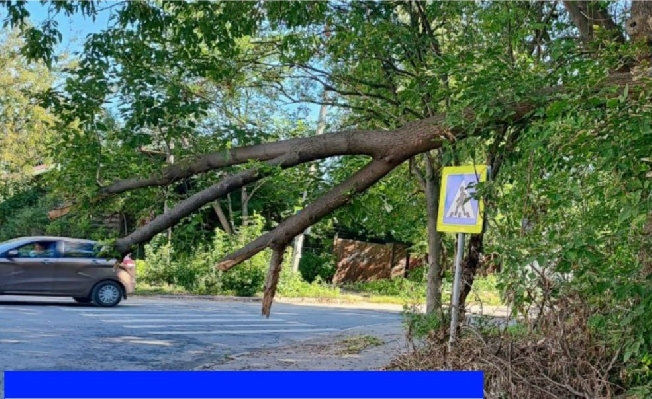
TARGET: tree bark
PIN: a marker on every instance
(230, 209)
(245, 206)
(224, 221)
(271, 281)
(195, 202)
(639, 29)
(470, 266)
(430, 185)
(312, 148)
(433, 288)
(639, 25)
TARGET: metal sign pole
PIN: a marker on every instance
(456, 289)
(461, 213)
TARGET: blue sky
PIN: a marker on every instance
(76, 28)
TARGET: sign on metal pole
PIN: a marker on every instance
(460, 213)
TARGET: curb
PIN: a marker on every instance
(198, 297)
(492, 311)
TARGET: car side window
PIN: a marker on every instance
(79, 250)
(37, 250)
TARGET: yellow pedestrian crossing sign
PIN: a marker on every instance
(459, 212)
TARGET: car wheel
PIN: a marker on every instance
(107, 294)
(82, 299)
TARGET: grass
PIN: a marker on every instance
(147, 289)
(401, 290)
(398, 291)
(356, 344)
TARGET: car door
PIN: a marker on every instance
(79, 268)
(31, 270)
(7, 271)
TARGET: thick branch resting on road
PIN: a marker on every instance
(294, 225)
(273, 274)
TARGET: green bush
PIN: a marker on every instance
(418, 274)
(247, 278)
(196, 272)
(292, 285)
(395, 287)
(317, 266)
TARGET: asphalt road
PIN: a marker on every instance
(156, 333)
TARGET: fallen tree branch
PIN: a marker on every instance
(310, 148)
(198, 200)
(388, 148)
(273, 274)
(355, 142)
(299, 222)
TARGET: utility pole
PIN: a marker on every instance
(298, 240)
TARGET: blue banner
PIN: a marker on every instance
(244, 384)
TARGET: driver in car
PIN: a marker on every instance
(40, 250)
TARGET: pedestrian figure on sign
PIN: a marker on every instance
(459, 204)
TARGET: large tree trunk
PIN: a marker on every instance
(430, 185)
(639, 28)
(433, 287)
(470, 266)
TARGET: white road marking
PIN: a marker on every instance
(218, 332)
(217, 325)
(175, 315)
(203, 320)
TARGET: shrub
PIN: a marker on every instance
(247, 278)
(394, 287)
(196, 272)
(292, 285)
(317, 266)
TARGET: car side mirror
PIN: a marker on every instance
(12, 254)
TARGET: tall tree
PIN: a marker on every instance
(27, 128)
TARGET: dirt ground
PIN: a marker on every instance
(354, 349)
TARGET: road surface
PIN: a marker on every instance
(156, 333)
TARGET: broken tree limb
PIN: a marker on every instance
(388, 148)
(273, 274)
(310, 148)
(294, 225)
(195, 202)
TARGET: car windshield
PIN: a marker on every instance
(6, 245)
